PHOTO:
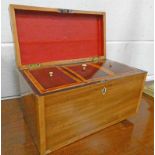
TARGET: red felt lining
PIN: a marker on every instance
(90, 73)
(59, 78)
(47, 36)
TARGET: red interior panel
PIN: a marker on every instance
(48, 36)
(58, 79)
(90, 73)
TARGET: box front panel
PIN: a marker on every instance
(74, 114)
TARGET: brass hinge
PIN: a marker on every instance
(95, 59)
(33, 66)
(65, 11)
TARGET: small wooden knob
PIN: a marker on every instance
(50, 74)
(84, 66)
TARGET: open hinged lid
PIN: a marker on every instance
(54, 36)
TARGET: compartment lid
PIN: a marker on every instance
(45, 35)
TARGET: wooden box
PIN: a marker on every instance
(69, 89)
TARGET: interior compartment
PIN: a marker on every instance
(88, 72)
(66, 76)
(59, 78)
(115, 67)
(53, 78)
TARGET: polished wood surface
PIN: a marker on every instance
(130, 137)
(73, 75)
(35, 8)
(89, 110)
(33, 112)
(100, 67)
(70, 108)
(15, 36)
(90, 71)
(115, 67)
(77, 112)
(58, 79)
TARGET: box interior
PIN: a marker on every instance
(90, 73)
(58, 79)
(64, 77)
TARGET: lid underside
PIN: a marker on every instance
(49, 36)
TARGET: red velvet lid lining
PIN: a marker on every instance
(49, 36)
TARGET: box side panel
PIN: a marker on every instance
(25, 89)
(74, 114)
(33, 112)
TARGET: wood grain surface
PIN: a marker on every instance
(72, 75)
(83, 111)
(133, 136)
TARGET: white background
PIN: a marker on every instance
(129, 34)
